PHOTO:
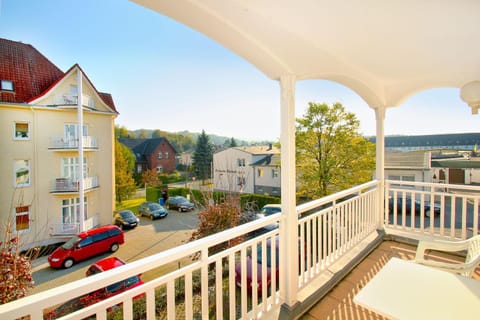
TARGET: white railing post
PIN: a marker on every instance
(380, 162)
(289, 222)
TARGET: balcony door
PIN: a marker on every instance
(71, 210)
(70, 168)
(71, 134)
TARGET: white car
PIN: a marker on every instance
(268, 210)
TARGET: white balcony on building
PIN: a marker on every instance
(69, 144)
(72, 100)
(67, 185)
(68, 229)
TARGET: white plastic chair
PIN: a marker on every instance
(472, 260)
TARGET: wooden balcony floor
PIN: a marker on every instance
(338, 304)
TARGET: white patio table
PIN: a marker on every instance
(407, 290)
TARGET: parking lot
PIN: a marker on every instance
(148, 238)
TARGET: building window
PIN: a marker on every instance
(71, 210)
(6, 85)
(401, 178)
(274, 173)
(160, 155)
(260, 172)
(21, 173)
(22, 218)
(166, 154)
(159, 169)
(21, 131)
(241, 162)
(139, 168)
(241, 181)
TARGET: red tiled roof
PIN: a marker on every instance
(29, 70)
(31, 73)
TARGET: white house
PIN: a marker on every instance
(408, 166)
(254, 169)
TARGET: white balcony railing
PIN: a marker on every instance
(61, 143)
(328, 229)
(66, 229)
(72, 99)
(438, 210)
(70, 185)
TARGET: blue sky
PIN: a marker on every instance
(163, 75)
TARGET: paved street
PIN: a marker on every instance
(458, 219)
(148, 238)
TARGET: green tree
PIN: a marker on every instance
(157, 134)
(203, 157)
(332, 155)
(181, 142)
(150, 177)
(143, 134)
(124, 183)
(129, 157)
(122, 132)
(230, 143)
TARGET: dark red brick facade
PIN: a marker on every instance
(167, 161)
(152, 154)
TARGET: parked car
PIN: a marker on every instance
(126, 219)
(268, 210)
(180, 203)
(259, 262)
(87, 244)
(116, 288)
(408, 206)
(152, 210)
(100, 294)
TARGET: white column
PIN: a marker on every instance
(380, 161)
(288, 227)
(81, 192)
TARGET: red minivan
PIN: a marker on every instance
(87, 244)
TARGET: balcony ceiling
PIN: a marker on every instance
(383, 50)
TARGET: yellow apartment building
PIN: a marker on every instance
(57, 150)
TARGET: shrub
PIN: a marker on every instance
(15, 268)
(218, 216)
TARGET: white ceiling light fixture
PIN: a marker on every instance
(470, 93)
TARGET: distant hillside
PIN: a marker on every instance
(215, 139)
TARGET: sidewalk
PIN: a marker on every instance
(39, 263)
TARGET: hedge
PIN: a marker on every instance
(154, 193)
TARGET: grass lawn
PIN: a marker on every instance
(130, 204)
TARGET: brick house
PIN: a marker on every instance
(157, 153)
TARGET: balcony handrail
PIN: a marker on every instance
(339, 195)
(72, 185)
(435, 185)
(72, 143)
